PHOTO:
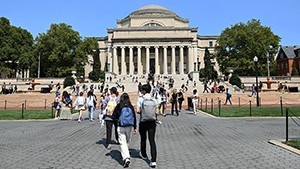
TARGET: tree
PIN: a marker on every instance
(238, 45)
(58, 50)
(90, 47)
(235, 80)
(15, 48)
(208, 70)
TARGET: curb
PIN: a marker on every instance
(289, 148)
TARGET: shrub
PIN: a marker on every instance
(69, 81)
(235, 80)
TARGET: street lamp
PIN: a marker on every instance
(268, 63)
(255, 59)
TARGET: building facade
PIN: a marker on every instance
(153, 39)
(288, 58)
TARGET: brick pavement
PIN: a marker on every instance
(187, 141)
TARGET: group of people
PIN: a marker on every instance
(8, 88)
(120, 113)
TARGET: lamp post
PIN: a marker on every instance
(255, 59)
(268, 63)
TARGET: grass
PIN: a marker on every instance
(255, 111)
(28, 114)
(293, 143)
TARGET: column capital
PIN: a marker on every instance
(130, 47)
(147, 47)
(173, 46)
(122, 47)
(139, 47)
(165, 46)
(190, 46)
(114, 47)
(156, 46)
(181, 46)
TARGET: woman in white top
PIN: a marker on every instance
(90, 104)
(80, 105)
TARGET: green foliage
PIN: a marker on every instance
(241, 42)
(69, 81)
(15, 48)
(208, 70)
(58, 49)
(295, 72)
(235, 80)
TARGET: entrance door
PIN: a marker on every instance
(152, 66)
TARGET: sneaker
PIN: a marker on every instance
(159, 122)
(79, 121)
(126, 163)
(141, 155)
(108, 147)
(91, 120)
(55, 118)
(152, 164)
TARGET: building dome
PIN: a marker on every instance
(152, 10)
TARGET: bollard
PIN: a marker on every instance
(201, 104)
(52, 111)
(219, 108)
(5, 104)
(212, 106)
(206, 104)
(281, 106)
(22, 110)
(287, 124)
(250, 108)
(25, 104)
(45, 104)
(239, 102)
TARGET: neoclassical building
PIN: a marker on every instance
(153, 39)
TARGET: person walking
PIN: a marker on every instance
(147, 106)
(90, 102)
(57, 107)
(109, 104)
(195, 100)
(125, 115)
(180, 99)
(173, 101)
(80, 104)
(228, 96)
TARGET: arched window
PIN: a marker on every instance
(152, 25)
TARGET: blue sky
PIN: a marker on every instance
(91, 18)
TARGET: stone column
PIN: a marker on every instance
(165, 60)
(181, 62)
(191, 59)
(195, 57)
(123, 63)
(173, 68)
(147, 59)
(156, 60)
(139, 61)
(131, 64)
(115, 61)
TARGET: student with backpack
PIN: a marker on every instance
(90, 101)
(80, 105)
(109, 104)
(125, 115)
(147, 107)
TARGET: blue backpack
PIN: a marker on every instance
(126, 117)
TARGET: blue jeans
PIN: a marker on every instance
(91, 112)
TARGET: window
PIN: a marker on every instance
(210, 43)
(152, 25)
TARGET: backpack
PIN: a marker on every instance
(110, 107)
(126, 117)
(68, 100)
(149, 107)
(81, 101)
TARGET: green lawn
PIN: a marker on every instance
(293, 143)
(255, 111)
(28, 114)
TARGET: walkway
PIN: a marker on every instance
(187, 141)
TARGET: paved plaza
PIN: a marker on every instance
(187, 141)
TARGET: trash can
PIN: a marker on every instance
(45, 90)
